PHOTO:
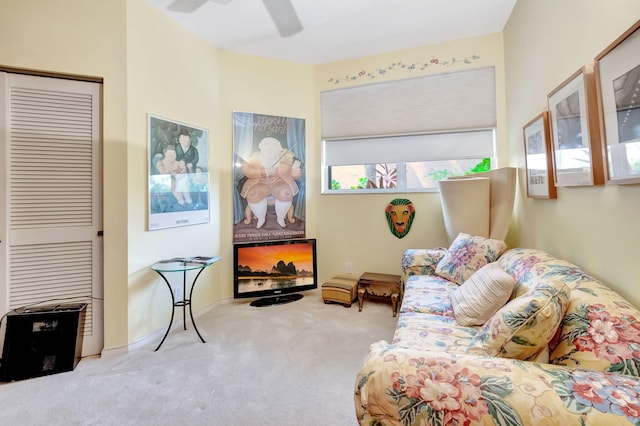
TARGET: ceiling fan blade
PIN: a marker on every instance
(284, 17)
(185, 6)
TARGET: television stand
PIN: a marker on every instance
(276, 300)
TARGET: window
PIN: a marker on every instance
(405, 163)
(405, 135)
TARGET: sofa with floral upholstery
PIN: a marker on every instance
(560, 348)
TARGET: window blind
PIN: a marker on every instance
(431, 104)
(393, 149)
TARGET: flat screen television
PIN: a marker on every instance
(274, 271)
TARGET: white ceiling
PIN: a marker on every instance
(336, 30)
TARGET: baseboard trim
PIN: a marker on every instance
(156, 336)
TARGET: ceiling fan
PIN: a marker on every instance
(282, 13)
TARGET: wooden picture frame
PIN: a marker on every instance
(537, 155)
(617, 70)
(575, 131)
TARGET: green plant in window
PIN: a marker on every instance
(437, 175)
(482, 166)
(363, 183)
(335, 184)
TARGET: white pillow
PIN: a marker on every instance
(479, 297)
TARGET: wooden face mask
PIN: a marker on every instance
(400, 213)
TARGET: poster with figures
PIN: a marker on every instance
(178, 174)
(269, 177)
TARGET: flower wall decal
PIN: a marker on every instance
(416, 67)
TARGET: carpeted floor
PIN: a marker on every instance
(292, 364)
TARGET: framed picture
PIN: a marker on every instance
(575, 131)
(538, 162)
(269, 190)
(617, 71)
(178, 173)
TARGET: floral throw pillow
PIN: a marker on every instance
(466, 255)
(524, 326)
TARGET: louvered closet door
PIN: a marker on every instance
(53, 197)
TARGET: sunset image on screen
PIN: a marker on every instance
(264, 258)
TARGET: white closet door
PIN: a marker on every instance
(52, 245)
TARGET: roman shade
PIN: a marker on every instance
(426, 147)
(441, 103)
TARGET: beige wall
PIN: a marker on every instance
(594, 227)
(85, 38)
(353, 227)
(152, 65)
(173, 74)
(263, 86)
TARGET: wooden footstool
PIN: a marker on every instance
(340, 289)
(381, 285)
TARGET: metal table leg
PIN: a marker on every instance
(181, 303)
(173, 304)
(190, 310)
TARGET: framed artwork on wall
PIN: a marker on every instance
(269, 193)
(178, 173)
(617, 70)
(537, 154)
(575, 131)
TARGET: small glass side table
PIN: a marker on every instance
(183, 265)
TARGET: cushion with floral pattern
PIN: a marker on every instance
(428, 294)
(600, 331)
(466, 255)
(421, 261)
(524, 326)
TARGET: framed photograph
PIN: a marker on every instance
(178, 173)
(269, 190)
(537, 154)
(575, 131)
(617, 71)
